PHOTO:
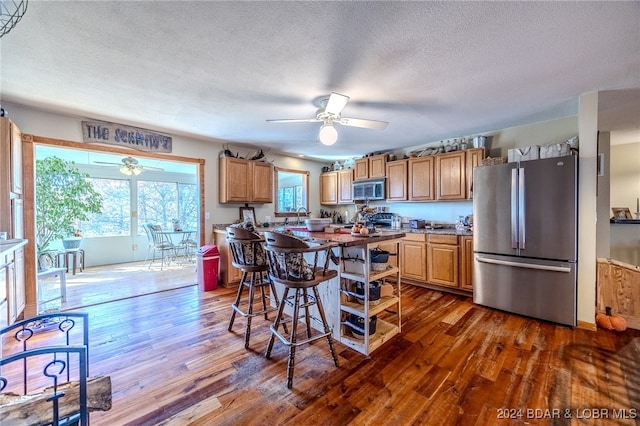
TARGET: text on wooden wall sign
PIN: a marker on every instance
(131, 137)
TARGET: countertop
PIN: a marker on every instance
(9, 246)
(403, 230)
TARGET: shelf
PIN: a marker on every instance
(373, 275)
(358, 309)
(384, 332)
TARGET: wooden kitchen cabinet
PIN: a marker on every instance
(228, 275)
(474, 158)
(450, 174)
(245, 181)
(336, 187)
(443, 260)
(397, 180)
(466, 263)
(370, 167)
(420, 182)
(413, 255)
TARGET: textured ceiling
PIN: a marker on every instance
(218, 70)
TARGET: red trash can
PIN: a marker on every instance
(208, 265)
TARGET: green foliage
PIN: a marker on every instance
(64, 197)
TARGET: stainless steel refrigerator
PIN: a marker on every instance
(525, 237)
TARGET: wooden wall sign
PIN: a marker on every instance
(130, 137)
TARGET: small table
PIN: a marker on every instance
(52, 272)
(181, 241)
(78, 259)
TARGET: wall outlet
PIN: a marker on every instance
(207, 215)
(135, 247)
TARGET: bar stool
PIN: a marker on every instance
(248, 255)
(289, 268)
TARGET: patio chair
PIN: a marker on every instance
(158, 242)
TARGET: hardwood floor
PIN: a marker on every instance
(108, 283)
(173, 362)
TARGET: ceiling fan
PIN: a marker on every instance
(129, 166)
(329, 114)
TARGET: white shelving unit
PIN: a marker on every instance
(356, 268)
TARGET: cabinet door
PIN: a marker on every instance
(361, 169)
(11, 293)
(345, 186)
(413, 263)
(235, 180)
(329, 188)
(262, 182)
(19, 282)
(16, 159)
(421, 179)
(466, 263)
(474, 157)
(377, 166)
(442, 264)
(397, 180)
(450, 176)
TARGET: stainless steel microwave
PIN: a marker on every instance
(368, 190)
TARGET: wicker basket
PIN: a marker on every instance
(379, 266)
(492, 161)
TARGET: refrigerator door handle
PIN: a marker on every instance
(514, 208)
(523, 265)
(521, 210)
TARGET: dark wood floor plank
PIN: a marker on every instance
(173, 362)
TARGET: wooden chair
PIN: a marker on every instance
(299, 267)
(249, 256)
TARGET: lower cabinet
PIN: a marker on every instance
(12, 287)
(228, 275)
(443, 260)
(370, 312)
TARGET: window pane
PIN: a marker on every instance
(115, 219)
(157, 203)
(188, 206)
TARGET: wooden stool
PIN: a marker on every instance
(249, 256)
(77, 255)
(288, 267)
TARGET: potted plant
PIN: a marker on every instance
(64, 197)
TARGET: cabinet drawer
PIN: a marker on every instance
(410, 236)
(443, 239)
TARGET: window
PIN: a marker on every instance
(162, 202)
(115, 218)
(292, 191)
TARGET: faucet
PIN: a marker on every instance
(306, 213)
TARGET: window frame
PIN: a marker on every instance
(305, 190)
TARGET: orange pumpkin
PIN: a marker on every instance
(611, 322)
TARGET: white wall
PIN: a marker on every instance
(56, 126)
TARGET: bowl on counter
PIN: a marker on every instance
(317, 224)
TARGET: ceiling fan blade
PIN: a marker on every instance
(360, 122)
(336, 103)
(106, 162)
(294, 120)
(151, 168)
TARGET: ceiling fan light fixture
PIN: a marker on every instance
(328, 135)
(125, 170)
(136, 170)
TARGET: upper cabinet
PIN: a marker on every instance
(474, 158)
(397, 180)
(450, 176)
(336, 187)
(245, 181)
(370, 167)
(11, 154)
(421, 179)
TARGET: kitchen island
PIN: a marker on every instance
(358, 318)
